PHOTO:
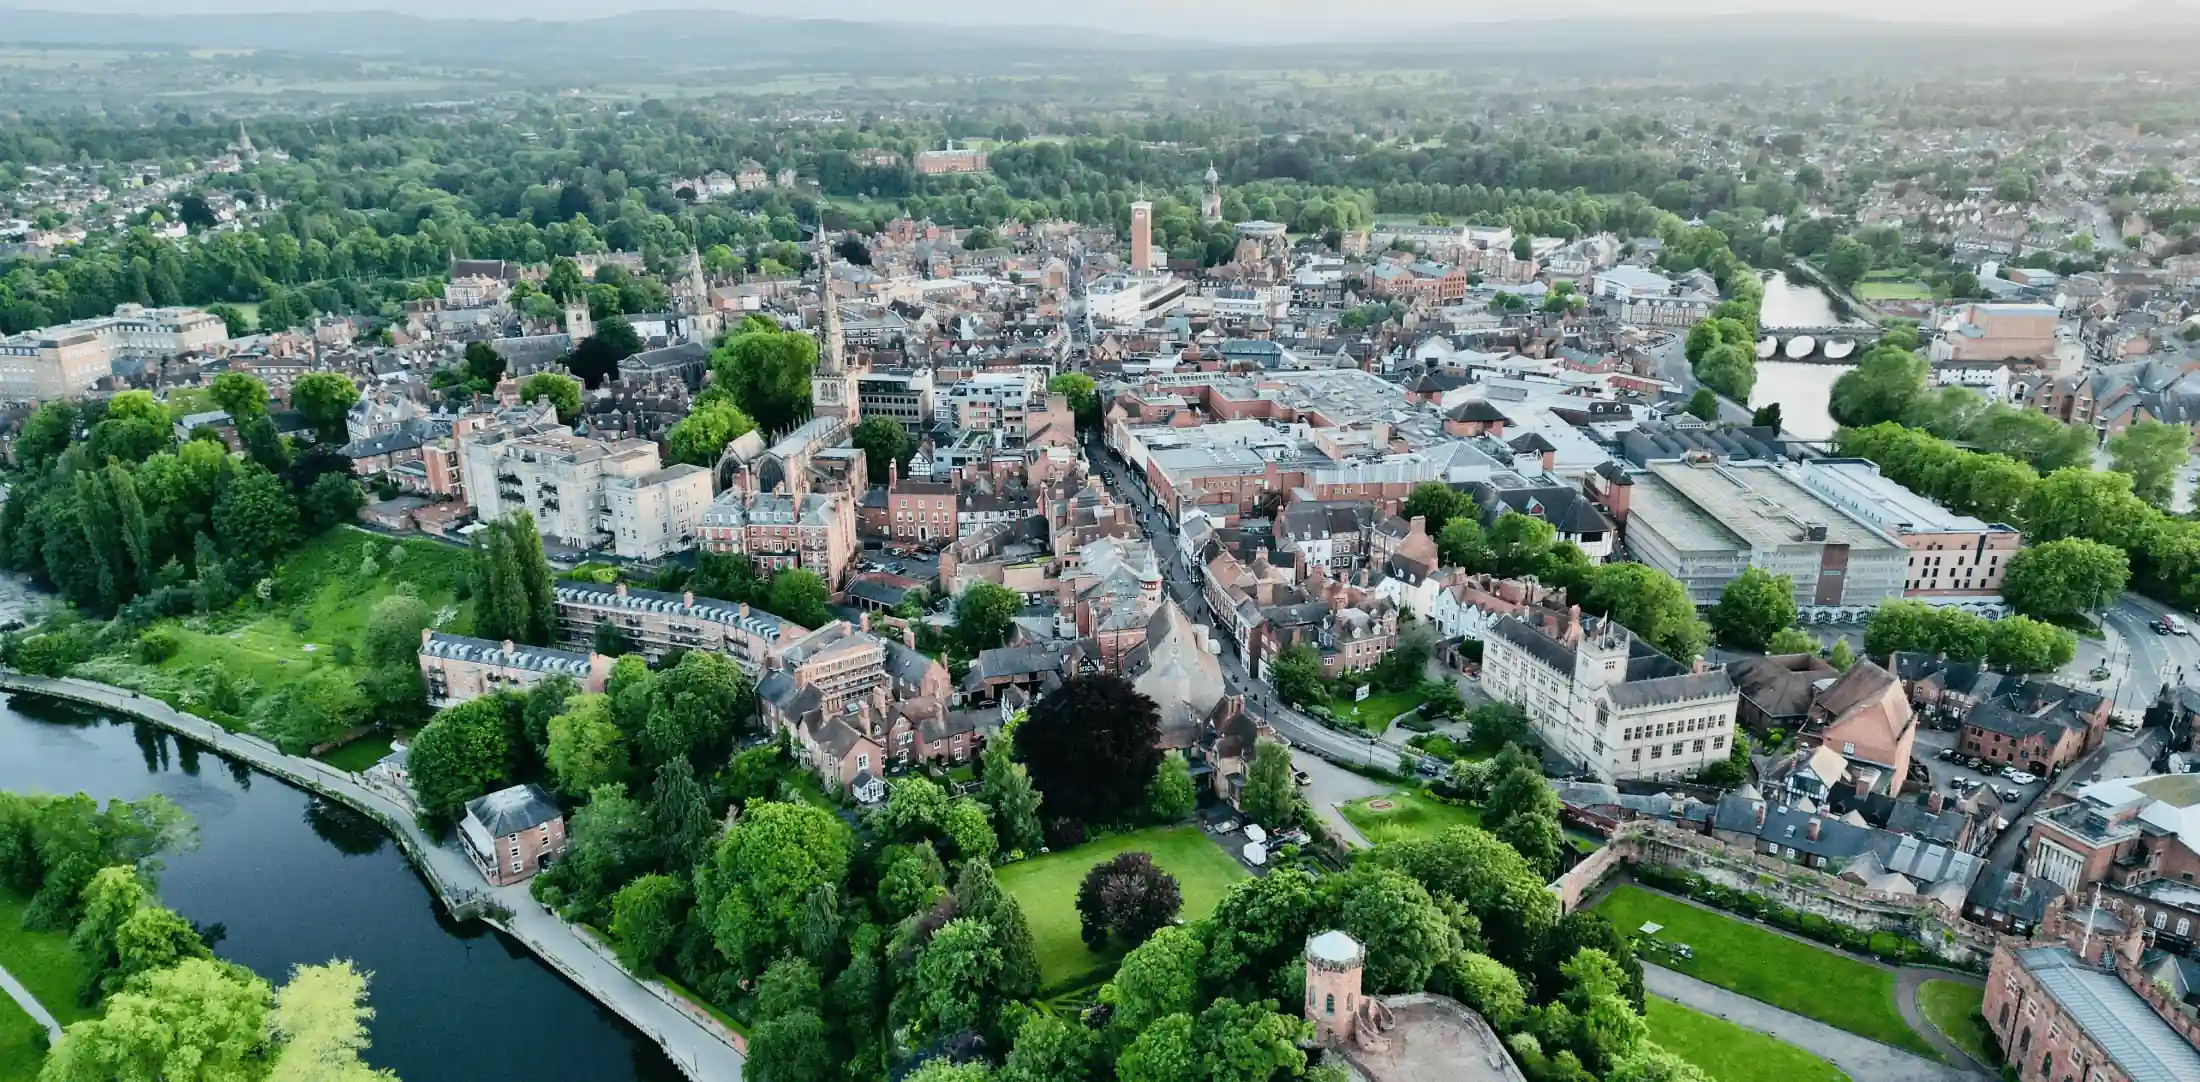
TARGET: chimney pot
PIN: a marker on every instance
(1935, 801)
(1812, 830)
(508, 646)
(620, 589)
(688, 597)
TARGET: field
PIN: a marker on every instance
(1412, 814)
(46, 966)
(1046, 888)
(1727, 1052)
(321, 599)
(1876, 288)
(1952, 1008)
(1763, 965)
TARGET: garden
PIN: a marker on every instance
(1046, 888)
(1406, 815)
(1840, 991)
(1730, 1053)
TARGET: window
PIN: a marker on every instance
(1635, 756)
(2184, 926)
(1848, 748)
(1329, 1003)
(2161, 919)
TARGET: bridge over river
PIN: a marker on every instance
(1836, 344)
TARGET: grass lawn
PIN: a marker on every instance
(1763, 965)
(1046, 888)
(1727, 1052)
(1893, 289)
(1952, 1008)
(19, 1058)
(1374, 715)
(1411, 814)
(42, 961)
(361, 753)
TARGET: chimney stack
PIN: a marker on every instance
(1863, 786)
(1760, 814)
(509, 646)
(1811, 831)
(1935, 801)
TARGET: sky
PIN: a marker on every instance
(1305, 19)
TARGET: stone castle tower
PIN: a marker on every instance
(1334, 962)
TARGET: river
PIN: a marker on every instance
(1803, 390)
(296, 879)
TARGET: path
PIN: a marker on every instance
(1907, 979)
(1329, 785)
(1860, 1058)
(24, 999)
(697, 1044)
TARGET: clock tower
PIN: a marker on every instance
(833, 386)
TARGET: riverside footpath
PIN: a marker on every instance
(703, 1049)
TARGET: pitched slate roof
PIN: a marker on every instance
(2121, 1023)
(509, 811)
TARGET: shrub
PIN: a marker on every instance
(158, 645)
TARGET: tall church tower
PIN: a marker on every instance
(833, 386)
(1210, 205)
(703, 321)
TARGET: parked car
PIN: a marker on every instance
(2011, 792)
(1960, 783)
(2022, 777)
(2009, 770)
(1301, 777)
(1947, 753)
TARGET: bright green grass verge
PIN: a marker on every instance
(42, 961)
(1952, 1008)
(1374, 715)
(1795, 976)
(19, 1057)
(1412, 815)
(361, 753)
(1046, 888)
(1727, 1052)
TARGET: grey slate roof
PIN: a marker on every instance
(2114, 1016)
(535, 658)
(509, 811)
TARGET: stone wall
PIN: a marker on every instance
(1643, 842)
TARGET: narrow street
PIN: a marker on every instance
(1304, 733)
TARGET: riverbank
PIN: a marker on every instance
(699, 1046)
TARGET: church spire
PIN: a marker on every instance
(834, 349)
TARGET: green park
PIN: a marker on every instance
(1841, 991)
(1728, 1052)
(1046, 888)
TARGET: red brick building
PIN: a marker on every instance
(513, 833)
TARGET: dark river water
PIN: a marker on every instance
(297, 880)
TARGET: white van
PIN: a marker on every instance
(2176, 624)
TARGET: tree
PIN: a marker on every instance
(910, 879)
(979, 896)
(1885, 384)
(2151, 452)
(2065, 581)
(241, 396)
(596, 359)
(767, 370)
(914, 808)
(979, 238)
(201, 1019)
(799, 595)
(44, 435)
(333, 498)
(326, 399)
(514, 597)
(793, 1047)
(1127, 897)
(1520, 544)
(698, 705)
(1008, 792)
(679, 816)
(1792, 640)
(1730, 370)
(1170, 796)
(1841, 656)
(701, 437)
(255, 517)
(645, 919)
(320, 1021)
(885, 443)
(1402, 930)
(564, 279)
(461, 754)
(1522, 811)
(751, 893)
(1271, 795)
(1158, 978)
(1767, 416)
(1487, 878)
(1163, 1052)
(1753, 608)
(1048, 1050)
(957, 978)
(1483, 984)
(1084, 398)
(1092, 746)
(1703, 405)
(1463, 545)
(984, 613)
(1437, 502)
(1846, 261)
(1296, 674)
(2076, 502)
(585, 749)
(1652, 604)
(2022, 644)
(1258, 929)
(564, 393)
(484, 365)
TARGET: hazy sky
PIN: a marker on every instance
(1200, 17)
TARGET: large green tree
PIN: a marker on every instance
(1753, 608)
(2152, 452)
(1650, 603)
(1092, 746)
(2065, 580)
(751, 893)
(767, 370)
(885, 443)
(325, 398)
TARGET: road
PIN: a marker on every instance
(24, 999)
(1671, 360)
(694, 1042)
(1304, 733)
